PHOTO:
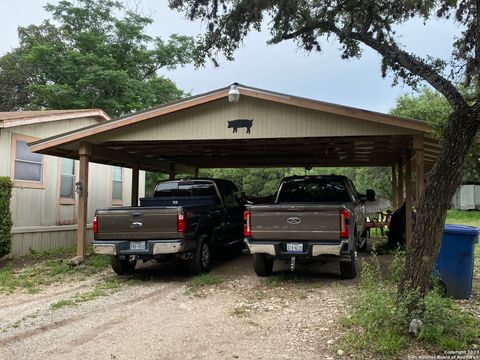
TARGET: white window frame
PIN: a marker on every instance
(25, 183)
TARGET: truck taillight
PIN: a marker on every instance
(95, 224)
(344, 222)
(180, 221)
(247, 231)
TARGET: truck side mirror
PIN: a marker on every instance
(370, 195)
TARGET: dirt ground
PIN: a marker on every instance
(157, 314)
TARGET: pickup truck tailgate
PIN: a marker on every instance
(295, 222)
(137, 223)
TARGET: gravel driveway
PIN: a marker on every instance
(157, 314)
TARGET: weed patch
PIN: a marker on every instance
(107, 288)
(200, 281)
(206, 279)
(377, 323)
(241, 312)
(30, 272)
(286, 279)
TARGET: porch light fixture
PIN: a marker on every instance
(233, 94)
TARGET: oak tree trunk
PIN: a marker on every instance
(441, 183)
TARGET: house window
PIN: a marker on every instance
(67, 179)
(27, 166)
(117, 181)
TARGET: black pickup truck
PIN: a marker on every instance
(184, 220)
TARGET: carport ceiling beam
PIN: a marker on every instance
(102, 153)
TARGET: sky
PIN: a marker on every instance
(282, 68)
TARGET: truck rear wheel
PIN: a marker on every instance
(262, 265)
(200, 263)
(348, 270)
(122, 267)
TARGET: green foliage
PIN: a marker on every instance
(151, 179)
(5, 216)
(432, 107)
(378, 322)
(91, 54)
(397, 266)
(428, 105)
(375, 321)
(446, 326)
(265, 181)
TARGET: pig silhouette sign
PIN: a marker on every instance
(240, 123)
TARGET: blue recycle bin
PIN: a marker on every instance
(455, 260)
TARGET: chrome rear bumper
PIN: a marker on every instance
(313, 249)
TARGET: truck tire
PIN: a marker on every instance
(348, 270)
(262, 265)
(122, 267)
(200, 262)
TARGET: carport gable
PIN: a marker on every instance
(251, 118)
(271, 115)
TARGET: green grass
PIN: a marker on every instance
(38, 269)
(471, 218)
(289, 279)
(206, 279)
(201, 281)
(62, 303)
(107, 288)
(378, 324)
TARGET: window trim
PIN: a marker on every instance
(116, 202)
(13, 155)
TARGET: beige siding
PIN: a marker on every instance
(43, 130)
(270, 120)
(37, 212)
(43, 239)
(5, 142)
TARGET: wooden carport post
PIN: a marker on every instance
(84, 154)
(171, 172)
(135, 181)
(400, 183)
(408, 199)
(394, 188)
(419, 167)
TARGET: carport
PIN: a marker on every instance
(258, 128)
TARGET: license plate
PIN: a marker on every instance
(137, 245)
(295, 247)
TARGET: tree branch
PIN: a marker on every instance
(392, 52)
(416, 66)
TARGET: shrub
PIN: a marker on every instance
(5, 216)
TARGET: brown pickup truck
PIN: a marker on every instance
(183, 220)
(313, 217)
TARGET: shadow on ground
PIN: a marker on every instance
(232, 264)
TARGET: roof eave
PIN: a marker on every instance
(385, 119)
(95, 113)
